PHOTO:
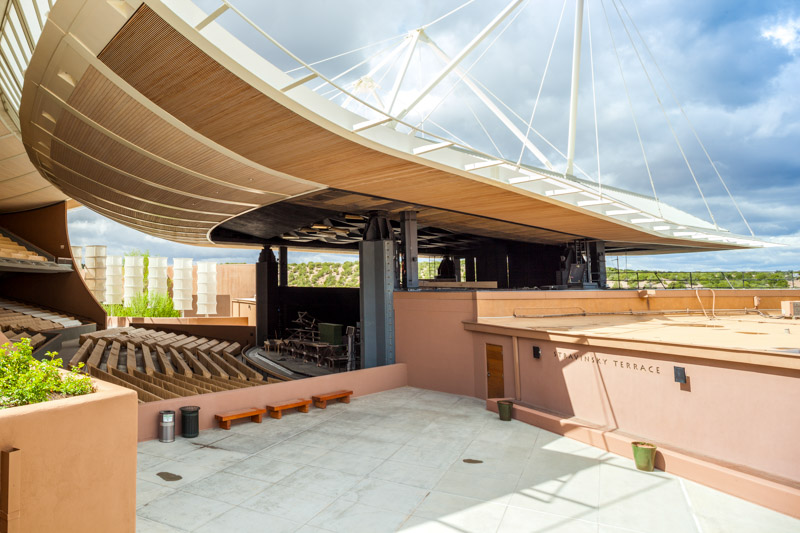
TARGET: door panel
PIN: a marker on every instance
(495, 385)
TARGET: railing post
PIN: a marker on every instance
(10, 488)
(691, 285)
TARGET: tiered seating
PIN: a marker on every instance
(19, 321)
(160, 365)
(10, 249)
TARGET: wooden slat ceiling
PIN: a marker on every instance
(121, 158)
(21, 185)
(173, 73)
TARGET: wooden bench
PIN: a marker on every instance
(276, 410)
(322, 400)
(225, 419)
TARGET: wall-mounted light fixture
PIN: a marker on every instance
(680, 374)
(537, 352)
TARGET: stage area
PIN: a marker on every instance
(395, 461)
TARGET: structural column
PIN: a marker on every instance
(410, 276)
(283, 263)
(377, 283)
(597, 259)
(266, 296)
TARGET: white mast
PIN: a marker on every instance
(576, 70)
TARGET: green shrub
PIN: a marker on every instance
(157, 305)
(25, 380)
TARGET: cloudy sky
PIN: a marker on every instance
(733, 66)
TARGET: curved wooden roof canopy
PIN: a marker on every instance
(140, 123)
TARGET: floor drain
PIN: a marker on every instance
(168, 476)
(473, 461)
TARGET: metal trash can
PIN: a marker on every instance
(190, 421)
(166, 426)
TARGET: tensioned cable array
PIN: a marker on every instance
(390, 57)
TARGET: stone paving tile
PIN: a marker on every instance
(289, 504)
(147, 491)
(349, 517)
(226, 487)
(320, 480)
(393, 461)
(386, 495)
(183, 510)
(263, 468)
(187, 473)
(518, 520)
(143, 525)
(423, 477)
(145, 461)
(239, 520)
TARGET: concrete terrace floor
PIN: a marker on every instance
(394, 461)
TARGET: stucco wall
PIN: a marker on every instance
(361, 382)
(430, 339)
(507, 303)
(78, 470)
(730, 413)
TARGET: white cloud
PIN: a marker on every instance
(785, 34)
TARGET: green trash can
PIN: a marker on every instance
(190, 421)
(504, 409)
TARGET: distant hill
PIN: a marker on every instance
(346, 275)
(323, 274)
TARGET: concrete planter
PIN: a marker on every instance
(72, 451)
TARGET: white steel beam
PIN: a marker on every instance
(431, 147)
(576, 71)
(525, 179)
(586, 203)
(484, 164)
(402, 74)
(299, 82)
(370, 123)
(212, 17)
(460, 57)
(482, 96)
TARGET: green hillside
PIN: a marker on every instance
(346, 275)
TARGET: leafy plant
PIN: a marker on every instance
(146, 305)
(25, 380)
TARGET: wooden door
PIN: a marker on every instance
(494, 371)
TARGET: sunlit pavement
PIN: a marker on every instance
(395, 461)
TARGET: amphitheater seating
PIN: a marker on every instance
(160, 365)
(11, 249)
(18, 316)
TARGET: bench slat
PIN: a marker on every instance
(321, 400)
(255, 414)
(276, 410)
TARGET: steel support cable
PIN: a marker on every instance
(459, 8)
(337, 56)
(393, 56)
(534, 130)
(541, 83)
(685, 116)
(664, 112)
(491, 140)
(367, 60)
(630, 106)
(468, 69)
(456, 137)
(594, 100)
